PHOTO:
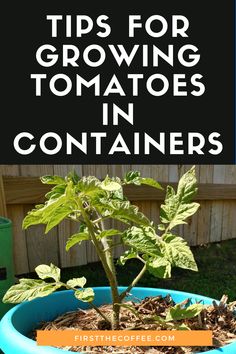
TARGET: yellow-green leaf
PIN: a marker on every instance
(73, 283)
(77, 239)
(44, 271)
(85, 295)
(29, 289)
(178, 313)
(108, 233)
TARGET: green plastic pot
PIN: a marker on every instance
(7, 277)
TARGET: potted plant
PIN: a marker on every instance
(90, 202)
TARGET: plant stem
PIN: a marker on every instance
(99, 312)
(113, 245)
(96, 242)
(134, 282)
(113, 280)
(107, 262)
(99, 220)
(90, 303)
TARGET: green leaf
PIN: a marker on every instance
(187, 186)
(89, 186)
(109, 185)
(29, 289)
(85, 295)
(73, 177)
(73, 283)
(43, 214)
(178, 313)
(164, 324)
(44, 271)
(177, 207)
(150, 182)
(159, 267)
(132, 177)
(52, 180)
(77, 239)
(177, 251)
(108, 233)
(143, 240)
(58, 215)
(129, 254)
(34, 217)
(53, 211)
(177, 216)
(56, 191)
(161, 227)
(181, 327)
(123, 211)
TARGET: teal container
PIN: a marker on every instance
(20, 320)
(7, 276)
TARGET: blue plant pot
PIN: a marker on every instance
(24, 317)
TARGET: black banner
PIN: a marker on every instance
(108, 82)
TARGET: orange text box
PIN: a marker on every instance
(124, 338)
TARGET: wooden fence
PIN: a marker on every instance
(20, 189)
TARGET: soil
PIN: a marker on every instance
(221, 319)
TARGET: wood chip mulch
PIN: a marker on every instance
(221, 319)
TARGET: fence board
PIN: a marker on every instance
(204, 214)
(203, 225)
(20, 251)
(41, 248)
(29, 190)
(229, 208)
(217, 207)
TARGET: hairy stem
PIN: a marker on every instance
(107, 262)
(134, 282)
(113, 281)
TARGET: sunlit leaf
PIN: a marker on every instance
(129, 254)
(178, 252)
(132, 177)
(77, 239)
(109, 185)
(85, 295)
(178, 313)
(177, 207)
(52, 179)
(150, 182)
(143, 240)
(29, 289)
(108, 233)
(159, 267)
(123, 211)
(73, 283)
(44, 271)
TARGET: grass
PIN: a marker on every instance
(216, 276)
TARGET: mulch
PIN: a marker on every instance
(220, 318)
